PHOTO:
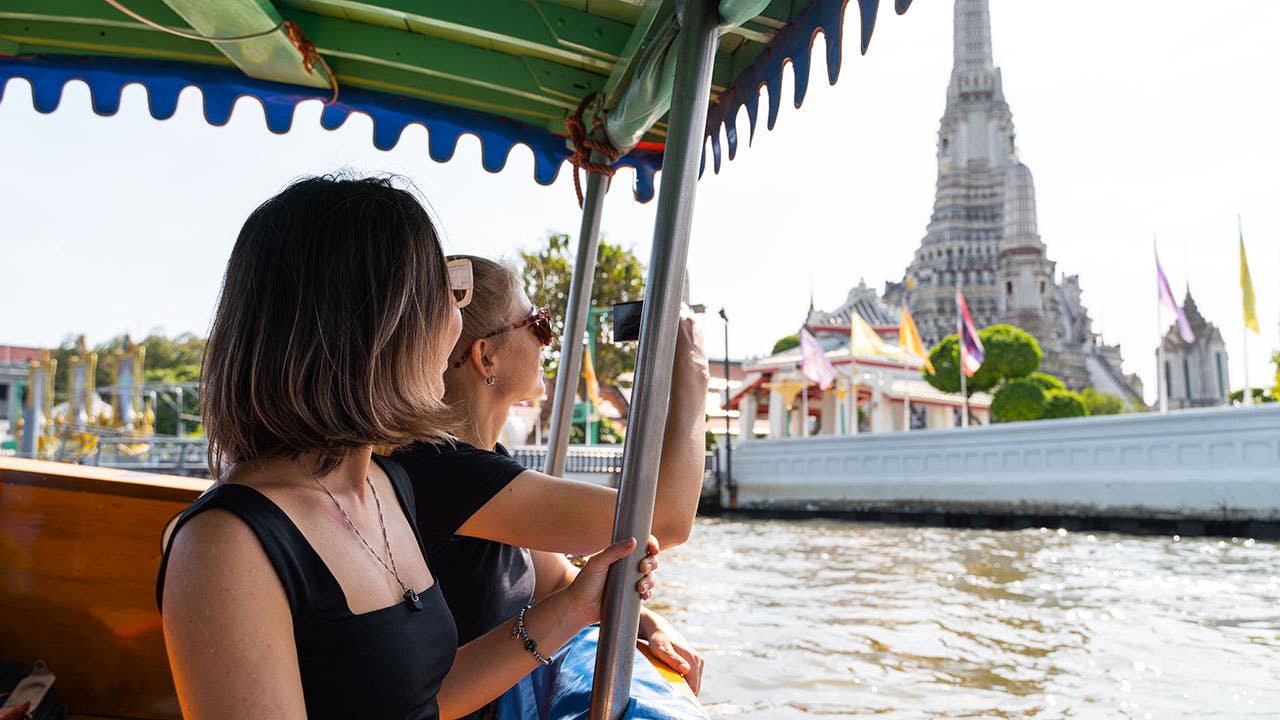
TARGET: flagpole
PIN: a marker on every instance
(906, 372)
(853, 416)
(964, 380)
(840, 402)
(804, 411)
(906, 395)
(1248, 391)
(1162, 401)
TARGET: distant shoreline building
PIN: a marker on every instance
(14, 361)
(1194, 374)
(983, 233)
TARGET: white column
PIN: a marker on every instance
(748, 408)
(881, 417)
(851, 411)
(777, 415)
(830, 413)
(940, 417)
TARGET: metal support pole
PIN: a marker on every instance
(964, 379)
(575, 320)
(804, 412)
(728, 439)
(686, 128)
(180, 425)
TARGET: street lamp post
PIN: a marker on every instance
(728, 444)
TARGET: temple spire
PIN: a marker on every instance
(972, 36)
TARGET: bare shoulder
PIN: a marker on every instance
(214, 553)
(227, 623)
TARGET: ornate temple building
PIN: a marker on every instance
(1195, 373)
(983, 234)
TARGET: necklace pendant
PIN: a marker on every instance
(412, 598)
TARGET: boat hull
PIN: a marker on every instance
(79, 550)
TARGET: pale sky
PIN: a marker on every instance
(1137, 119)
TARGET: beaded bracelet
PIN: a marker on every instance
(529, 643)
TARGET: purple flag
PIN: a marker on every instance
(815, 364)
(1166, 297)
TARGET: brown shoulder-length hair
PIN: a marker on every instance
(330, 328)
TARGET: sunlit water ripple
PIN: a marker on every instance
(802, 619)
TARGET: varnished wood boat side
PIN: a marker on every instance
(79, 550)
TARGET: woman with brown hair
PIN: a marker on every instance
(296, 586)
(496, 532)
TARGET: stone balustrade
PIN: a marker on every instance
(1220, 464)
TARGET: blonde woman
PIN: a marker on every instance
(495, 532)
(296, 587)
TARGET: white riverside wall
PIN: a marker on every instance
(1215, 464)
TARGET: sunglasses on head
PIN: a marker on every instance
(539, 321)
(461, 282)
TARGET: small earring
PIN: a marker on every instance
(490, 380)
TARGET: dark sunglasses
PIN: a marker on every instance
(539, 321)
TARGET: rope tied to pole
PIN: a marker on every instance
(583, 145)
(310, 56)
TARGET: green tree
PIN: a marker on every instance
(785, 343)
(1010, 354)
(1099, 402)
(945, 357)
(1046, 381)
(1275, 390)
(1063, 404)
(1260, 395)
(1018, 400)
(607, 432)
(168, 361)
(619, 277)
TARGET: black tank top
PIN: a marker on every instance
(385, 663)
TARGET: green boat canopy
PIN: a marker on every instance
(507, 71)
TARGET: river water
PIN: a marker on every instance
(829, 619)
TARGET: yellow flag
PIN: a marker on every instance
(1246, 290)
(909, 339)
(864, 342)
(593, 384)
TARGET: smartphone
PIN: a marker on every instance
(626, 321)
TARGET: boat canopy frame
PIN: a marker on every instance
(671, 77)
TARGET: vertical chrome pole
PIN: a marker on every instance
(964, 379)
(575, 320)
(1162, 398)
(686, 128)
(728, 395)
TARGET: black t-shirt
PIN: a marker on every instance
(385, 663)
(485, 583)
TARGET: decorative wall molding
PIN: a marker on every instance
(1213, 464)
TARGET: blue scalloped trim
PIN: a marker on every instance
(221, 87)
(793, 44)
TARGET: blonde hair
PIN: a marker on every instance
(329, 327)
(496, 287)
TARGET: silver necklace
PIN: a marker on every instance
(409, 596)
